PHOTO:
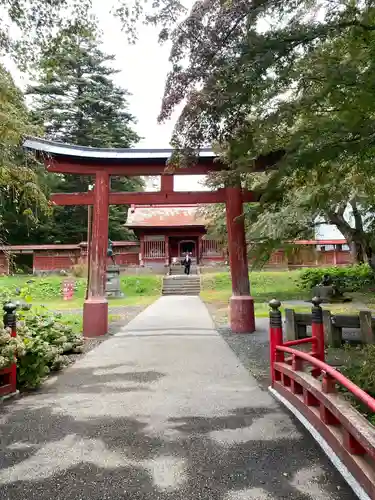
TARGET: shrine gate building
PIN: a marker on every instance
(167, 232)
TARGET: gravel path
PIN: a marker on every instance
(161, 411)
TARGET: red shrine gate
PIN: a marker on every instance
(101, 164)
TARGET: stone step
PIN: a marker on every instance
(181, 289)
(196, 287)
(181, 285)
(180, 280)
(184, 284)
(180, 272)
(190, 288)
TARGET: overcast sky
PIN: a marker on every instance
(143, 70)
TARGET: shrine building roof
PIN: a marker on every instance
(164, 216)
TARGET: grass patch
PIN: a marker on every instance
(216, 289)
(138, 290)
(264, 286)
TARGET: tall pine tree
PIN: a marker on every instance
(22, 190)
(77, 102)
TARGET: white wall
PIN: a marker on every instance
(330, 232)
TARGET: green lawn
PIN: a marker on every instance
(142, 290)
(75, 321)
(267, 285)
(138, 290)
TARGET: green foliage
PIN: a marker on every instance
(34, 23)
(350, 278)
(50, 328)
(140, 285)
(257, 79)
(360, 370)
(42, 340)
(75, 97)
(37, 361)
(22, 196)
(79, 270)
(10, 348)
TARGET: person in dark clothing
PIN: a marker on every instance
(110, 251)
(187, 263)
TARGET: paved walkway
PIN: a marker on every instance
(162, 411)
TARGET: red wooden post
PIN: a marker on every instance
(242, 319)
(95, 310)
(166, 183)
(276, 335)
(317, 332)
(199, 256)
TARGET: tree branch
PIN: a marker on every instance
(357, 216)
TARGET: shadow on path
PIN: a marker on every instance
(47, 455)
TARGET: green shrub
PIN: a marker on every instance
(46, 338)
(10, 348)
(37, 360)
(350, 278)
(361, 371)
(50, 328)
(42, 340)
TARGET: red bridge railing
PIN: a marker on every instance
(308, 387)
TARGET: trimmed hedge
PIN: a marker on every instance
(350, 278)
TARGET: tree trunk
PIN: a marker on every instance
(356, 238)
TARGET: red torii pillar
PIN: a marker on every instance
(95, 308)
(241, 306)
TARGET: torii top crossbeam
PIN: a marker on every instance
(67, 158)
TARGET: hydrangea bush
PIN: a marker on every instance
(41, 344)
(46, 339)
(11, 348)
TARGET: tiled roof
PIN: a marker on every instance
(164, 216)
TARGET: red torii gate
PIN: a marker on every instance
(101, 164)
